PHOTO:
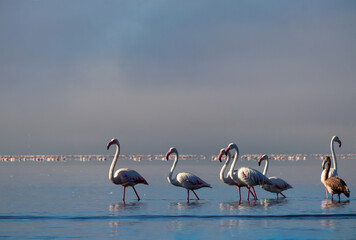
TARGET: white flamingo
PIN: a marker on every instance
(332, 171)
(228, 180)
(124, 176)
(278, 184)
(248, 176)
(186, 180)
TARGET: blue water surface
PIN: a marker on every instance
(67, 200)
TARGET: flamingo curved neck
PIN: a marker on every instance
(327, 169)
(170, 178)
(113, 164)
(222, 171)
(333, 153)
(235, 160)
(266, 167)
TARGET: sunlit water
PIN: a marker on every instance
(76, 200)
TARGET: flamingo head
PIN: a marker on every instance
(222, 153)
(231, 145)
(264, 157)
(170, 151)
(326, 161)
(112, 141)
(336, 139)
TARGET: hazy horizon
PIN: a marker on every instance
(272, 76)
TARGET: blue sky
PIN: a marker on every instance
(273, 76)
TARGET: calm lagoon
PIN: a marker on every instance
(66, 200)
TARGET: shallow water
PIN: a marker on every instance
(76, 200)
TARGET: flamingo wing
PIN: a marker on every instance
(336, 184)
(191, 181)
(278, 185)
(129, 177)
(252, 177)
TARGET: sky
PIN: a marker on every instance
(271, 76)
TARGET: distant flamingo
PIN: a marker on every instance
(278, 184)
(124, 176)
(228, 180)
(334, 185)
(186, 180)
(333, 171)
(248, 176)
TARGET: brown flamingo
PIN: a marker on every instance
(334, 185)
(333, 171)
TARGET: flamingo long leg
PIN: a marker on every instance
(251, 193)
(327, 195)
(138, 198)
(123, 195)
(253, 189)
(187, 195)
(248, 194)
(239, 194)
(283, 195)
(277, 196)
(195, 195)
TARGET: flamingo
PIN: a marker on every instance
(278, 184)
(333, 171)
(186, 180)
(228, 180)
(334, 185)
(250, 177)
(124, 176)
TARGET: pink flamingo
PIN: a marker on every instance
(186, 180)
(228, 180)
(278, 184)
(250, 177)
(124, 176)
(333, 171)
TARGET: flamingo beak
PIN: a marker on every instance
(339, 142)
(221, 155)
(167, 155)
(264, 157)
(109, 144)
(227, 149)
